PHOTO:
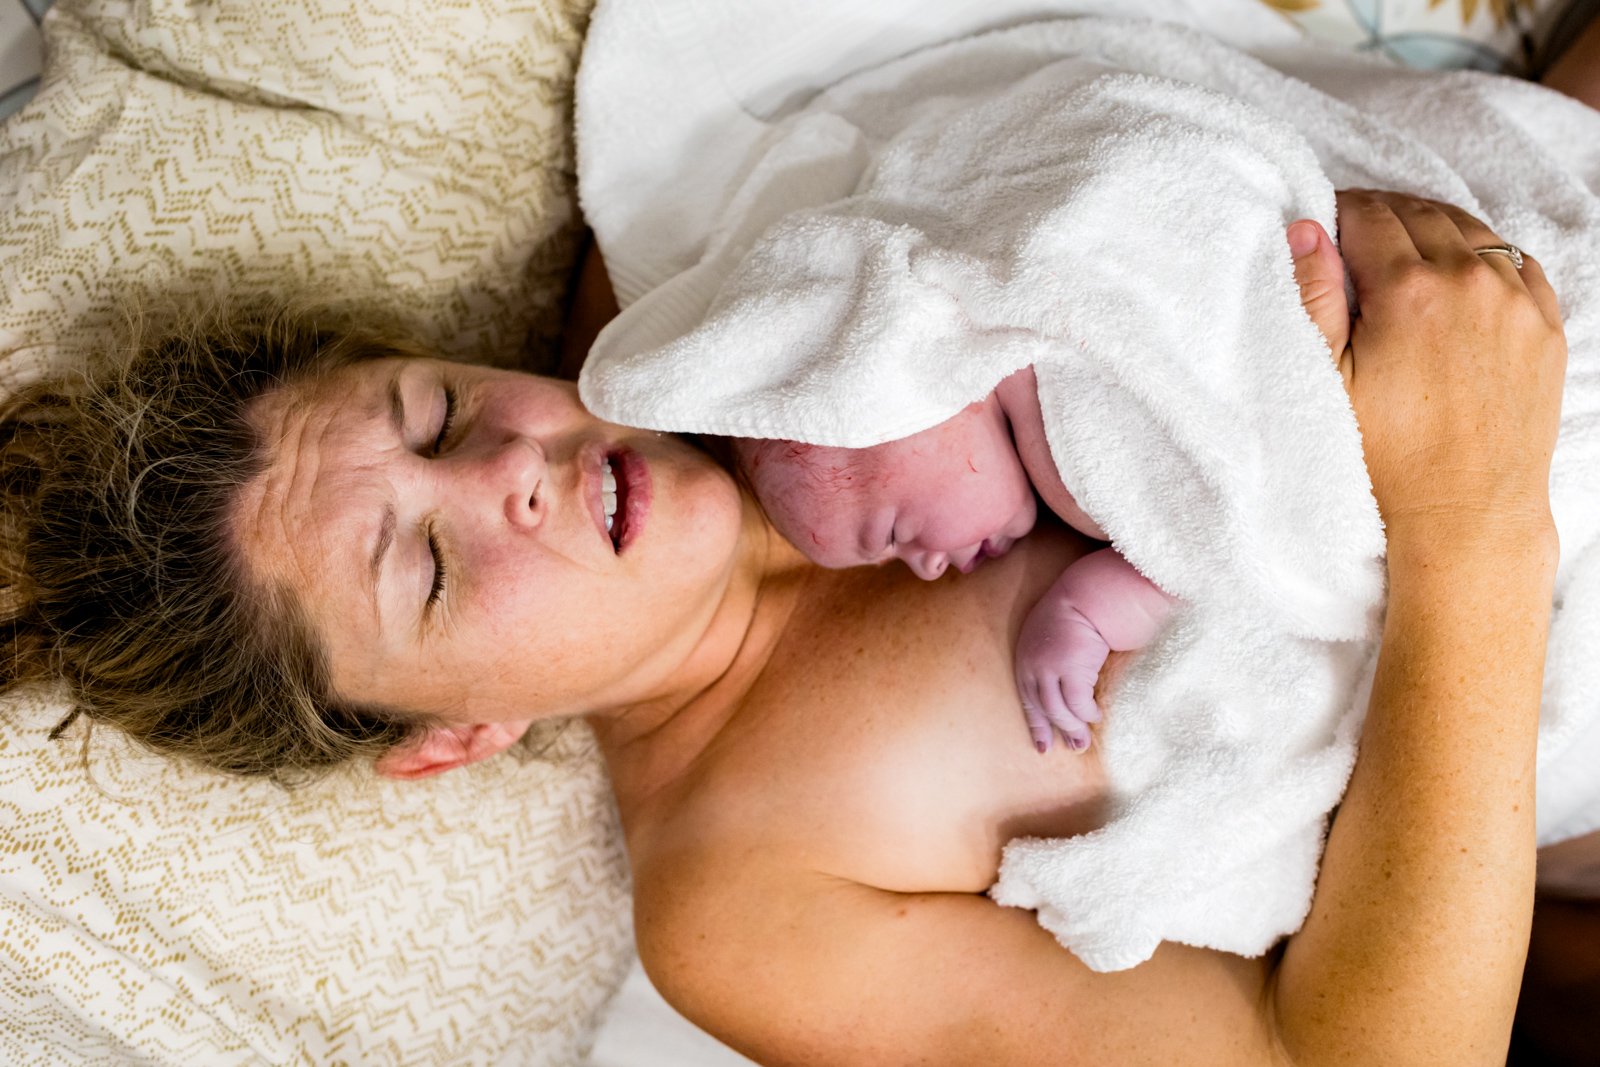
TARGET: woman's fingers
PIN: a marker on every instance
(1529, 276)
(1455, 374)
(1376, 245)
(1479, 236)
(1438, 237)
(1541, 290)
(1440, 233)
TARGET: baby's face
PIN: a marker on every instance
(953, 495)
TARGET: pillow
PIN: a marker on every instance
(411, 154)
(154, 913)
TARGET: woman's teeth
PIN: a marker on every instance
(608, 492)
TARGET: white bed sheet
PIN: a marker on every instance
(642, 1030)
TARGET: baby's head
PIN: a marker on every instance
(952, 495)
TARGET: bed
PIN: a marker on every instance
(420, 154)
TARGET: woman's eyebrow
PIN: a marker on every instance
(386, 527)
(397, 406)
(380, 549)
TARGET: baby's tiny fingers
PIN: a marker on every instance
(1038, 724)
(1080, 699)
(1078, 739)
(1055, 708)
(1038, 728)
(1074, 725)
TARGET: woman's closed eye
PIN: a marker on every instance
(441, 441)
(442, 438)
(436, 591)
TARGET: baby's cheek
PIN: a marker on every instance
(822, 546)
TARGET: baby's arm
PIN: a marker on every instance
(1019, 398)
(1099, 604)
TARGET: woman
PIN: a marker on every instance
(424, 554)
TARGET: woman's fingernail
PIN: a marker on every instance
(1041, 746)
(1078, 743)
(1302, 239)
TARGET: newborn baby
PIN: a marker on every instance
(955, 495)
(964, 491)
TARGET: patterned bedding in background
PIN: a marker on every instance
(1514, 36)
(1510, 36)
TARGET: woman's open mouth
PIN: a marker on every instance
(624, 497)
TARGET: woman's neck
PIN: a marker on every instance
(651, 744)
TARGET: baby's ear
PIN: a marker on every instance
(445, 748)
(1319, 271)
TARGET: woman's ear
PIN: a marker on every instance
(445, 748)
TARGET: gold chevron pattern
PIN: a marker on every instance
(411, 154)
(155, 913)
(414, 155)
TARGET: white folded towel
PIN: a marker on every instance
(1106, 201)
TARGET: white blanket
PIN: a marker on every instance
(1105, 200)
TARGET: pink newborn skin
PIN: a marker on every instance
(955, 495)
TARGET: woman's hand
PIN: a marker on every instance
(1417, 933)
(1454, 367)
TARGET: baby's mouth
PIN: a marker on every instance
(990, 549)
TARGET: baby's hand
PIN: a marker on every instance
(1099, 604)
(1059, 656)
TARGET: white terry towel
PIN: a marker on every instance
(1106, 200)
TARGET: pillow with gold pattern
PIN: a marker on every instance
(415, 155)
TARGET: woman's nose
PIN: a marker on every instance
(516, 475)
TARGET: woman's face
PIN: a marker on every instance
(444, 527)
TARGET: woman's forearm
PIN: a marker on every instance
(1413, 948)
(1414, 945)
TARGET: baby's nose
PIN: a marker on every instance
(928, 565)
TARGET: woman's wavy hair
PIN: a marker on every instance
(118, 577)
